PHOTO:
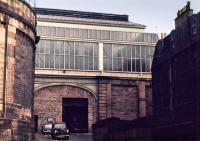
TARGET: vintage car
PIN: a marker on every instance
(47, 129)
(60, 131)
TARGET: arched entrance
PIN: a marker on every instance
(71, 104)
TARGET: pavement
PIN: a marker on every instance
(72, 137)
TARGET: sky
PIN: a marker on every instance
(157, 15)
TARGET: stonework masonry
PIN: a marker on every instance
(17, 48)
(124, 98)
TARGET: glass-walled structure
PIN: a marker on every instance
(79, 49)
(99, 57)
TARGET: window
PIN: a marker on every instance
(67, 55)
(132, 58)
(105, 35)
(96, 34)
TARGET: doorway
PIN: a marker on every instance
(75, 114)
(36, 123)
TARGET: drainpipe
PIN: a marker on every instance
(5, 22)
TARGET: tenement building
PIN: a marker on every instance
(91, 66)
(17, 51)
(176, 79)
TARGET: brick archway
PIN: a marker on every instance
(48, 102)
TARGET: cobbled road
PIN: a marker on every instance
(72, 137)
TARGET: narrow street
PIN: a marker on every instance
(72, 137)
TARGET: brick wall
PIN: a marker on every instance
(124, 98)
(48, 102)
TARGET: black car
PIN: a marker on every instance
(60, 131)
(47, 129)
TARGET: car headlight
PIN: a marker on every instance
(67, 131)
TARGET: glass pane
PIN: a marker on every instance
(107, 50)
(46, 31)
(148, 67)
(67, 64)
(51, 47)
(47, 61)
(94, 34)
(98, 34)
(124, 36)
(137, 51)
(129, 36)
(96, 63)
(133, 65)
(41, 61)
(71, 45)
(86, 63)
(96, 49)
(67, 49)
(125, 64)
(79, 62)
(60, 31)
(90, 33)
(41, 46)
(105, 35)
(129, 64)
(133, 52)
(37, 61)
(84, 33)
(117, 64)
(133, 37)
(143, 51)
(67, 32)
(128, 51)
(143, 65)
(71, 62)
(47, 45)
(53, 31)
(90, 51)
(90, 63)
(57, 61)
(106, 63)
(74, 32)
(51, 60)
(138, 68)
(141, 36)
(62, 61)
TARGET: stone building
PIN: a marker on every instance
(17, 51)
(91, 66)
(176, 79)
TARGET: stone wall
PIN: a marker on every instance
(124, 98)
(48, 102)
(18, 37)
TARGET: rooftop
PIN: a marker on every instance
(81, 14)
(92, 18)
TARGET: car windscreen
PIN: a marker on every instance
(48, 126)
(60, 126)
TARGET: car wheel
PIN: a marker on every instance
(67, 138)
